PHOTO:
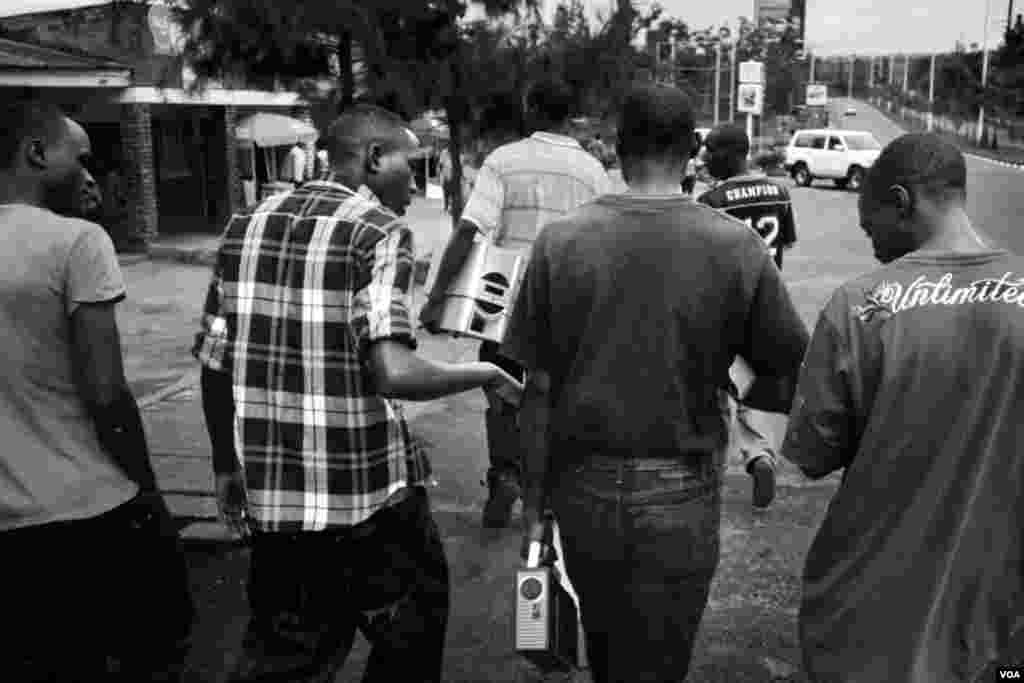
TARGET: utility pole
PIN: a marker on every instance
(1009, 15)
(718, 77)
(853, 67)
(733, 64)
(984, 72)
(906, 72)
(931, 95)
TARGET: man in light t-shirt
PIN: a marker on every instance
(295, 167)
(519, 188)
(92, 561)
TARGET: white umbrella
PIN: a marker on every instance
(275, 130)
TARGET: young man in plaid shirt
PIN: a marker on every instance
(306, 339)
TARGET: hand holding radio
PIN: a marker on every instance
(506, 387)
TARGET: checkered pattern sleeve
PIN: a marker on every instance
(211, 343)
(382, 306)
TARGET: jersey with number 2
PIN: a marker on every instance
(760, 203)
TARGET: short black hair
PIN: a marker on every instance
(923, 160)
(551, 99)
(360, 125)
(729, 138)
(28, 117)
(657, 121)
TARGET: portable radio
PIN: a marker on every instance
(480, 299)
(547, 630)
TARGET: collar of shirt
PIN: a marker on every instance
(364, 191)
(556, 139)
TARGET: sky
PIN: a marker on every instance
(833, 26)
(862, 26)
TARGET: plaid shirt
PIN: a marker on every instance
(304, 283)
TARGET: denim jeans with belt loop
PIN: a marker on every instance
(641, 542)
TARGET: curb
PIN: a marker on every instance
(208, 257)
(970, 155)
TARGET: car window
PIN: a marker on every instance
(835, 143)
(819, 142)
(862, 141)
(802, 141)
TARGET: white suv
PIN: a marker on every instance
(843, 156)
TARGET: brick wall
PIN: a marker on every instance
(234, 181)
(142, 216)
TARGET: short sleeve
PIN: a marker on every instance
(487, 200)
(382, 307)
(820, 438)
(212, 341)
(528, 337)
(775, 338)
(93, 273)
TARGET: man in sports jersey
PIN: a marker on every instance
(764, 206)
(751, 197)
(913, 386)
(519, 188)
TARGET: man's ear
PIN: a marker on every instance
(372, 157)
(34, 151)
(904, 197)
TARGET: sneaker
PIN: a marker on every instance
(764, 482)
(503, 494)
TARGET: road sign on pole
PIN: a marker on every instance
(751, 72)
(751, 98)
(817, 95)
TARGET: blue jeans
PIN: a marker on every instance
(641, 545)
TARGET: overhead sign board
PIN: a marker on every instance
(751, 72)
(817, 95)
(751, 98)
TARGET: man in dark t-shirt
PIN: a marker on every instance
(631, 312)
(762, 204)
(913, 386)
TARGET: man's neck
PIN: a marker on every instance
(956, 234)
(347, 177)
(15, 190)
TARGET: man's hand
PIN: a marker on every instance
(232, 504)
(537, 529)
(505, 387)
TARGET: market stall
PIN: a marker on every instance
(269, 132)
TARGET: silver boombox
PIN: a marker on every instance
(479, 301)
(547, 629)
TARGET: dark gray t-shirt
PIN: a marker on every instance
(52, 466)
(637, 307)
(914, 386)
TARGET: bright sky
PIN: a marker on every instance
(864, 26)
(833, 26)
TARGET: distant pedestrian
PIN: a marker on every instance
(92, 563)
(765, 207)
(520, 187)
(323, 164)
(295, 165)
(302, 378)
(444, 169)
(631, 312)
(913, 387)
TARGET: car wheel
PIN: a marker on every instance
(841, 183)
(855, 179)
(802, 176)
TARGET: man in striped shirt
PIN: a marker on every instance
(306, 341)
(519, 188)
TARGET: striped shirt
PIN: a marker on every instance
(524, 185)
(304, 283)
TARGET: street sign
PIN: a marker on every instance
(817, 95)
(751, 98)
(751, 72)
